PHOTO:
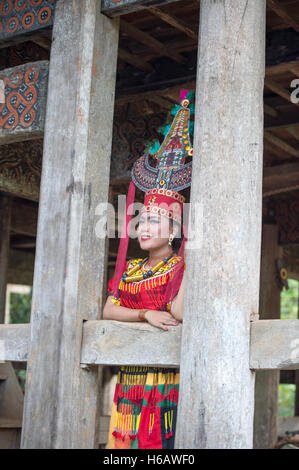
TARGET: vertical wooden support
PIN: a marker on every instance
(297, 393)
(267, 381)
(5, 215)
(216, 401)
(61, 397)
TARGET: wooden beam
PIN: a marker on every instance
(287, 148)
(297, 394)
(20, 267)
(294, 132)
(287, 425)
(283, 67)
(28, 84)
(24, 218)
(222, 275)
(274, 344)
(270, 111)
(134, 60)
(14, 342)
(45, 43)
(273, 86)
(70, 258)
(161, 102)
(267, 381)
(112, 342)
(280, 179)
(150, 42)
(113, 8)
(281, 11)
(175, 22)
(288, 121)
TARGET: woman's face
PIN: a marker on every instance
(153, 231)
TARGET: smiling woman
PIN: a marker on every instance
(152, 289)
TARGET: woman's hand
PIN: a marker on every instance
(160, 319)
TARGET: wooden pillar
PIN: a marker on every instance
(5, 215)
(61, 399)
(267, 381)
(297, 393)
(216, 401)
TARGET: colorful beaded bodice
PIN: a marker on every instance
(147, 293)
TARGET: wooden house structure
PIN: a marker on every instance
(83, 85)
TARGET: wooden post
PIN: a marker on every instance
(5, 215)
(61, 399)
(216, 401)
(267, 381)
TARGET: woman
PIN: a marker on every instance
(147, 414)
(152, 289)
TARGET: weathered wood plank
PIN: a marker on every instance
(14, 342)
(22, 116)
(275, 344)
(119, 343)
(222, 275)
(106, 343)
(287, 425)
(70, 258)
(122, 7)
(30, 18)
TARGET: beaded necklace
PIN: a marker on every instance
(129, 275)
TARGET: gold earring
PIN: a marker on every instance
(171, 237)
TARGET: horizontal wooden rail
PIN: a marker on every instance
(117, 343)
(274, 344)
(14, 342)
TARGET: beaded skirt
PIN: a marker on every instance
(145, 400)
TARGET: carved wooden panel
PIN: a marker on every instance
(20, 168)
(22, 114)
(23, 17)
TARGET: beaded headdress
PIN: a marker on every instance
(161, 183)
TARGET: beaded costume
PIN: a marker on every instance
(145, 400)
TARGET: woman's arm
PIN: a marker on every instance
(117, 312)
(155, 318)
(177, 305)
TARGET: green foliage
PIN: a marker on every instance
(286, 400)
(20, 307)
(289, 301)
(289, 311)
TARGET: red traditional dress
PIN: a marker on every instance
(145, 400)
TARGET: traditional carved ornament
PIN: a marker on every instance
(24, 100)
(23, 16)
